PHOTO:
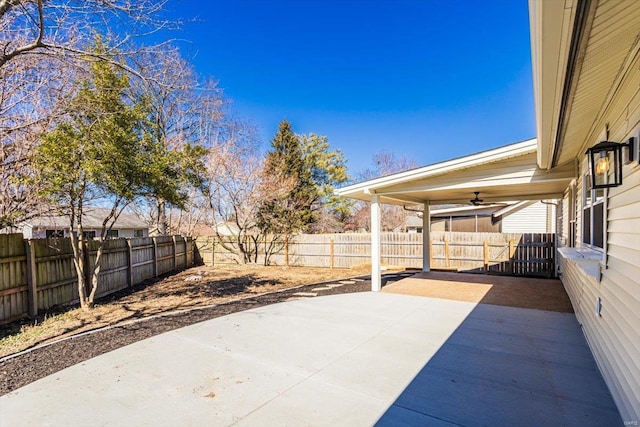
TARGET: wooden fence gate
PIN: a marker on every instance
(532, 255)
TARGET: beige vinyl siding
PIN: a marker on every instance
(620, 285)
(614, 337)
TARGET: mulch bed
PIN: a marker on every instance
(41, 362)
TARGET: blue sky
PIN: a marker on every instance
(429, 79)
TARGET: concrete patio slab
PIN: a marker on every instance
(343, 360)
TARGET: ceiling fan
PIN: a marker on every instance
(476, 201)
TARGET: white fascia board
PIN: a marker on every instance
(551, 27)
(489, 156)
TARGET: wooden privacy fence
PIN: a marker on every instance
(38, 274)
(502, 253)
(516, 254)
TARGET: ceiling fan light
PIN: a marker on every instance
(477, 200)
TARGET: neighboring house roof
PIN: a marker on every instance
(91, 218)
(413, 221)
(581, 51)
(504, 173)
(197, 230)
(227, 228)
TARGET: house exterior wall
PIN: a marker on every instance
(130, 232)
(535, 218)
(41, 232)
(27, 232)
(612, 277)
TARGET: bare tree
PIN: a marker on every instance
(237, 189)
(31, 91)
(61, 28)
(392, 217)
(181, 112)
(43, 45)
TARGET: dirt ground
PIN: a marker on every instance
(192, 296)
(522, 292)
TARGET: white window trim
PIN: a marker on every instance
(583, 206)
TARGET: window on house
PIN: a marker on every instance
(54, 233)
(89, 235)
(593, 228)
(138, 233)
(112, 234)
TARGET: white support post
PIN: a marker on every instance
(426, 238)
(376, 272)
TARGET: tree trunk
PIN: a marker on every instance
(254, 240)
(79, 249)
(162, 217)
(95, 273)
(79, 261)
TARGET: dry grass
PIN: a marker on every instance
(196, 287)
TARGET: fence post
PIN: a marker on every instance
(512, 253)
(446, 253)
(430, 252)
(155, 257)
(32, 288)
(129, 263)
(286, 251)
(331, 254)
(486, 256)
(188, 249)
(175, 253)
(213, 251)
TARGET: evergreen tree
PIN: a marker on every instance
(101, 155)
(328, 169)
(288, 189)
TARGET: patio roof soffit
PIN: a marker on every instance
(371, 186)
(508, 179)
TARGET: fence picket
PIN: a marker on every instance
(503, 253)
(38, 274)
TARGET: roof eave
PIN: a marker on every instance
(366, 189)
(556, 36)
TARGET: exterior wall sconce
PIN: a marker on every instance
(605, 159)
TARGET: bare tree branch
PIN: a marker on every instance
(63, 27)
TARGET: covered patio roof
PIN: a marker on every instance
(505, 173)
(508, 173)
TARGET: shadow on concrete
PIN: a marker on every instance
(508, 366)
